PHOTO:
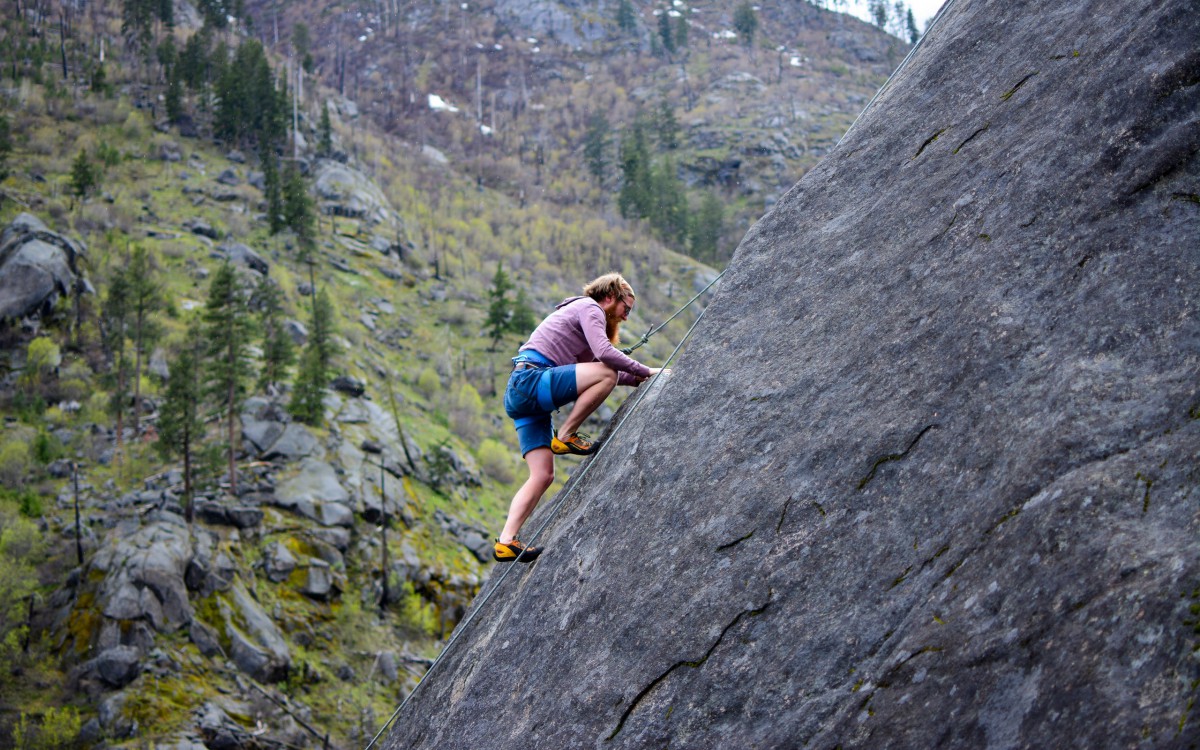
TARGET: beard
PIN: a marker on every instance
(612, 326)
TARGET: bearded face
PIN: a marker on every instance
(612, 324)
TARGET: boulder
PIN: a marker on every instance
(278, 562)
(297, 331)
(315, 492)
(295, 442)
(143, 570)
(349, 385)
(261, 433)
(940, 484)
(256, 645)
(229, 177)
(220, 732)
(118, 666)
(37, 267)
(318, 581)
(206, 639)
(344, 191)
(244, 256)
(197, 225)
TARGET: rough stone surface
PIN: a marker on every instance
(143, 569)
(940, 482)
(243, 255)
(295, 442)
(37, 267)
(316, 493)
(256, 645)
(118, 666)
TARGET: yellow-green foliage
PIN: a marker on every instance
(466, 413)
(428, 382)
(21, 549)
(14, 461)
(415, 614)
(496, 460)
(59, 729)
(42, 357)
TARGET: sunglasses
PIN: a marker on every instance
(628, 304)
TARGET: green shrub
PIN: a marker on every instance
(59, 729)
(14, 462)
(46, 448)
(428, 382)
(496, 460)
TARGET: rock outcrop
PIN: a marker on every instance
(37, 267)
(926, 475)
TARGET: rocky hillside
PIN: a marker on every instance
(938, 484)
(509, 89)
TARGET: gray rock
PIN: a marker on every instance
(344, 191)
(197, 225)
(206, 639)
(158, 364)
(220, 732)
(143, 574)
(316, 493)
(118, 666)
(388, 671)
(296, 442)
(262, 434)
(257, 180)
(235, 156)
(256, 645)
(298, 331)
(940, 485)
(244, 256)
(349, 385)
(229, 177)
(278, 562)
(244, 517)
(472, 538)
(318, 580)
(37, 267)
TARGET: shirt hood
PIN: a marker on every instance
(568, 301)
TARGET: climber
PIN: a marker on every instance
(570, 356)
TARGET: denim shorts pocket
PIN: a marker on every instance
(520, 397)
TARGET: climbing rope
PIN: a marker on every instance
(549, 517)
(896, 72)
(646, 336)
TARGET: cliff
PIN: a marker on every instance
(926, 475)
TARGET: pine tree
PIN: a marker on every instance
(668, 126)
(273, 189)
(145, 299)
(681, 31)
(522, 321)
(669, 211)
(634, 198)
(84, 176)
(626, 18)
(596, 144)
(301, 42)
(879, 12)
(745, 23)
(279, 353)
(500, 309)
(315, 365)
(914, 34)
(5, 146)
(706, 228)
(174, 96)
(114, 319)
(298, 212)
(228, 330)
(180, 426)
(325, 143)
(666, 33)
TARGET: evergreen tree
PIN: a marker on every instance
(145, 299)
(879, 12)
(681, 31)
(301, 44)
(668, 126)
(228, 329)
(84, 176)
(706, 228)
(500, 309)
(273, 188)
(522, 321)
(114, 320)
(669, 210)
(250, 107)
(137, 21)
(745, 22)
(325, 143)
(596, 143)
(914, 34)
(180, 426)
(279, 353)
(193, 61)
(216, 13)
(666, 32)
(298, 212)
(174, 96)
(634, 198)
(315, 365)
(5, 146)
(626, 18)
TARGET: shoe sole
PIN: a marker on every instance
(570, 450)
(521, 558)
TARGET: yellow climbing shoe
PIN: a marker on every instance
(577, 443)
(515, 551)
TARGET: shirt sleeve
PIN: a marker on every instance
(591, 319)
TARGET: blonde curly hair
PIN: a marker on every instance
(610, 286)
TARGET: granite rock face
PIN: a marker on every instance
(939, 486)
(37, 267)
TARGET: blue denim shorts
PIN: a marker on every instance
(531, 395)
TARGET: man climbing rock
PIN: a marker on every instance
(570, 356)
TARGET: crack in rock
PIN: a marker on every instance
(694, 664)
(894, 456)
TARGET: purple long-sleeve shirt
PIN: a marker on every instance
(575, 332)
